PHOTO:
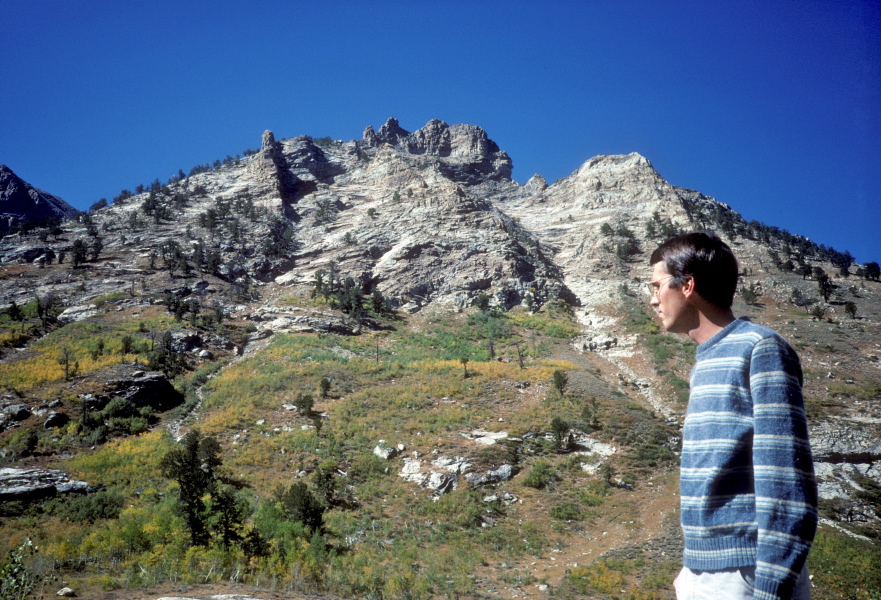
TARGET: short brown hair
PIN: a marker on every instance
(706, 258)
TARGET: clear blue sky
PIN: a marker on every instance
(773, 107)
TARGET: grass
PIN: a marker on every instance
(844, 567)
(383, 536)
(90, 345)
(111, 298)
(396, 398)
(634, 577)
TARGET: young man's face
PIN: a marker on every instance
(673, 309)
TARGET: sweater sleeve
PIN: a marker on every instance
(785, 488)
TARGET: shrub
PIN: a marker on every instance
(299, 505)
(596, 578)
(560, 430)
(366, 467)
(567, 512)
(560, 381)
(90, 508)
(304, 403)
(16, 580)
(540, 475)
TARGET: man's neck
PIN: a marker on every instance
(711, 320)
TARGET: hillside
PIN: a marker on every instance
(382, 368)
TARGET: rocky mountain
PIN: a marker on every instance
(426, 224)
(21, 203)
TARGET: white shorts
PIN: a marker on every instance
(728, 584)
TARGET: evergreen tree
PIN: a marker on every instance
(561, 380)
(749, 294)
(192, 465)
(225, 513)
(319, 286)
(559, 429)
(299, 505)
(825, 286)
(79, 253)
(98, 205)
(95, 249)
(14, 312)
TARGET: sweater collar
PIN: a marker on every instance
(736, 323)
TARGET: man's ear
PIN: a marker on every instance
(689, 288)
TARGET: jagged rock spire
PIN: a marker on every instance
(268, 140)
(391, 132)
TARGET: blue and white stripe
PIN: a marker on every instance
(748, 494)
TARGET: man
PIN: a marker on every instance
(748, 493)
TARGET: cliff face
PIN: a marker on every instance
(425, 216)
(20, 202)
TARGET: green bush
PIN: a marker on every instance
(560, 430)
(16, 579)
(560, 381)
(465, 508)
(304, 403)
(567, 512)
(90, 508)
(299, 505)
(540, 475)
(366, 467)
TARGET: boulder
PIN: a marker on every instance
(24, 254)
(27, 484)
(502, 473)
(441, 483)
(18, 412)
(487, 438)
(385, 452)
(185, 341)
(846, 441)
(78, 313)
(56, 419)
(150, 389)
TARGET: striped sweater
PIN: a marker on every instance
(747, 485)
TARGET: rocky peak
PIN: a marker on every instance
(21, 202)
(466, 153)
(369, 137)
(432, 139)
(613, 170)
(536, 184)
(391, 132)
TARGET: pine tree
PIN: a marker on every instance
(79, 254)
(192, 465)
